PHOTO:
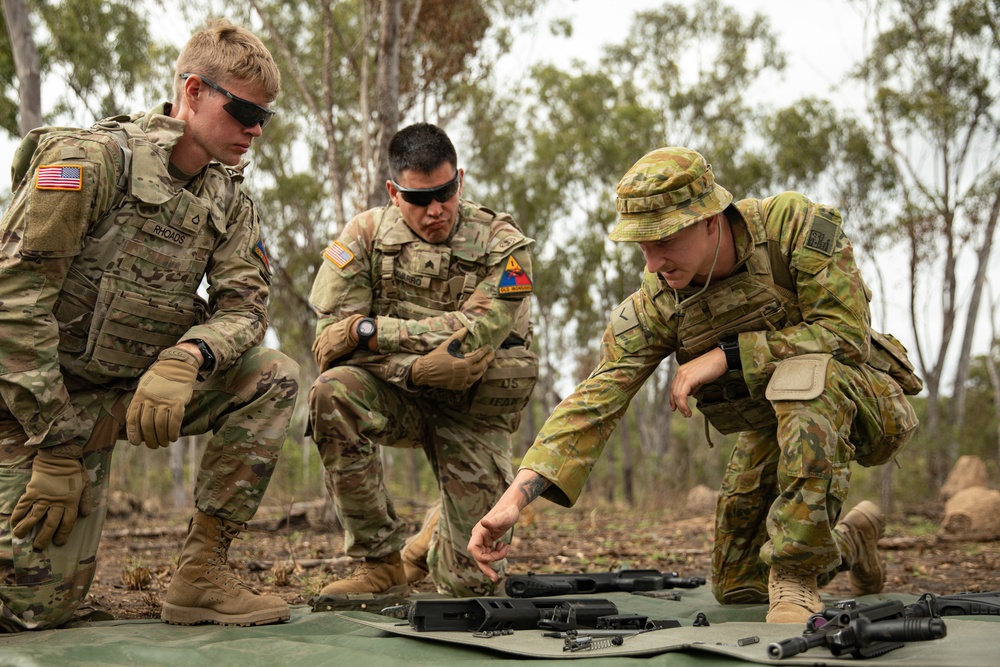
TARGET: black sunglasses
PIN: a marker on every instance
(246, 112)
(424, 196)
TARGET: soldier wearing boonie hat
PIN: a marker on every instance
(768, 316)
(664, 192)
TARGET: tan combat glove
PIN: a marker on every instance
(446, 368)
(56, 494)
(156, 412)
(335, 341)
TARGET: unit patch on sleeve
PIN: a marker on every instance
(339, 254)
(59, 177)
(514, 279)
(261, 252)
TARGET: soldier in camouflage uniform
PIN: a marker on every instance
(764, 307)
(422, 341)
(110, 233)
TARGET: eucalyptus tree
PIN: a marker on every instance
(100, 55)
(935, 104)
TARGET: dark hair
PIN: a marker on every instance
(421, 147)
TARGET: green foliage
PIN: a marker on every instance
(104, 52)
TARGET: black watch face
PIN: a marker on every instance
(366, 328)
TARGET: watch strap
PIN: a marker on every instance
(730, 345)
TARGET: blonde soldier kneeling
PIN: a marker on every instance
(422, 341)
(111, 231)
(764, 306)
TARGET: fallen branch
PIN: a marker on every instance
(304, 563)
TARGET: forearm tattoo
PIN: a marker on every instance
(533, 488)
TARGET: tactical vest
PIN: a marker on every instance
(132, 291)
(761, 298)
(416, 280)
(750, 300)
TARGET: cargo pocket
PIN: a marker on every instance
(28, 567)
(885, 421)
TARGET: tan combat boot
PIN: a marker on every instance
(374, 575)
(205, 590)
(416, 547)
(862, 527)
(793, 597)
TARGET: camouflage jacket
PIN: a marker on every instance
(828, 313)
(102, 253)
(421, 293)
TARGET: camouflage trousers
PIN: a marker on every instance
(785, 485)
(352, 413)
(247, 407)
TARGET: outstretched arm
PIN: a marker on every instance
(484, 545)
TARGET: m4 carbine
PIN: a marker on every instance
(623, 581)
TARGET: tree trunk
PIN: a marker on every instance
(27, 64)
(962, 372)
(886, 497)
(178, 493)
(386, 96)
(628, 464)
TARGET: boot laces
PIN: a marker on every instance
(219, 567)
(792, 588)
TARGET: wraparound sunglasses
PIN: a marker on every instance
(246, 112)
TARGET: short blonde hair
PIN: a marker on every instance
(226, 53)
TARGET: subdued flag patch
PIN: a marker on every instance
(339, 254)
(59, 177)
(514, 279)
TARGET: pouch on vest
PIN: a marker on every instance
(507, 383)
(801, 378)
(728, 406)
(889, 356)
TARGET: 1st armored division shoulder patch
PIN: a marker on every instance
(514, 282)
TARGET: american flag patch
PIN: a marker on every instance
(339, 254)
(59, 177)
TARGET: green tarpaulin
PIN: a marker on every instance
(359, 638)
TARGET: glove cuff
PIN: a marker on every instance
(179, 354)
(65, 451)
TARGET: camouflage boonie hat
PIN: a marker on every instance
(664, 192)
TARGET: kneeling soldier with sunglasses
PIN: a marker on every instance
(422, 341)
(110, 233)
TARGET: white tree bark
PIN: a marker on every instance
(27, 64)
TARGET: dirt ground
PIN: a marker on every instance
(293, 559)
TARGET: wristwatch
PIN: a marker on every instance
(365, 329)
(731, 346)
(208, 359)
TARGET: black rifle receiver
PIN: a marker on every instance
(488, 613)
